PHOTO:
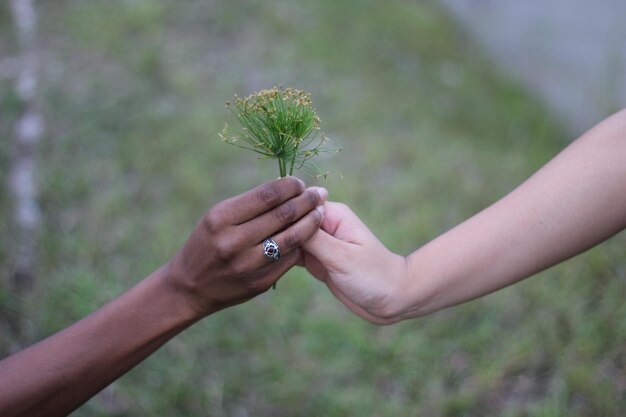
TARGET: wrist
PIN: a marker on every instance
(182, 304)
(400, 301)
(418, 293)
(391, 304)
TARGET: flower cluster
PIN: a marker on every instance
(279, 123)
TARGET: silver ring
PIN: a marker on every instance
(271, 249)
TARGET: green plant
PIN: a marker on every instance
(279, 123)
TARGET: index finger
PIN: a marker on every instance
(265, 197)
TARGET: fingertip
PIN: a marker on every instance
(300, 183)
(323, 193)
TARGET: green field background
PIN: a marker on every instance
(133, 93)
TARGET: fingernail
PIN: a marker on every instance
(301, 182)
(321, 209)
(323, 192)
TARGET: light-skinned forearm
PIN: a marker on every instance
(574, 202)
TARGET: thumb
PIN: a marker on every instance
(328, 250)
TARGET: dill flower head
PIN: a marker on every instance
(279, 123)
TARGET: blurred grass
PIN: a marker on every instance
(9, 112)
(134, 93)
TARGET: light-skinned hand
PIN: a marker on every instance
(359, 270)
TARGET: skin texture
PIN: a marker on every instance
(220, 265)
(577, 200)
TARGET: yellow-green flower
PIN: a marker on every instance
(279, 123)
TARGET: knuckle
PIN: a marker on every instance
(286, 213)
(225, 250)
(269, 195)
(212, 219)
